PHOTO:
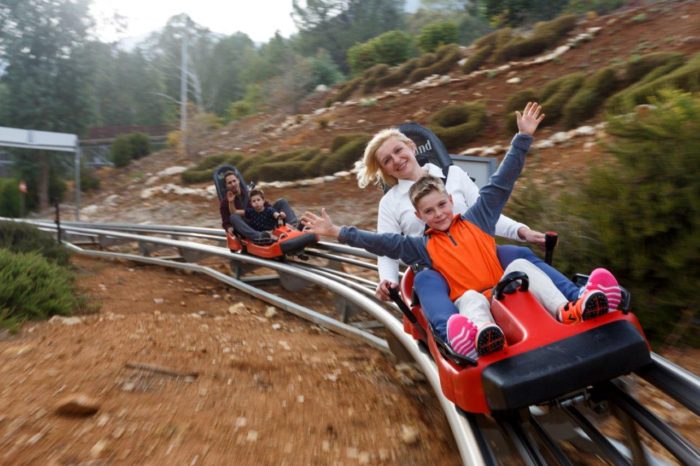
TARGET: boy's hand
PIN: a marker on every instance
(281, 215)
(530, 119)
(320, 225)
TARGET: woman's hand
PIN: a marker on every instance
(320, 225)
(382, 291)
(230, 196)
(531, 236)
(530, 119)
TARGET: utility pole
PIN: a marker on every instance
(183, 92)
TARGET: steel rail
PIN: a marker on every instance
(678, 383)
(465, 438)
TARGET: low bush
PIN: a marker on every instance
(33, 288)
(685, 78)
(432, 36)
(458, 124)
(586, 102)
(553, 104)
(447, 56)
(639, 67)
(277, 171)
(204, 170)
(128, 147)
(10, 198)
(22, 237)
(121, 151)
(390, 48)
(477, 59)
(88, 179)
(347, 90)
(517, 102)
(545, 35)
(345, 156)
(312, 168)
(140, 145)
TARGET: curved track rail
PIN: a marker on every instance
(530, 435)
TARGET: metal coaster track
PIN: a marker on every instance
(530, 436)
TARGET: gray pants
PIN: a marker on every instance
(241, 226)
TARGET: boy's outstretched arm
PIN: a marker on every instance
(322, 226)
(409, 249)
(493, 197)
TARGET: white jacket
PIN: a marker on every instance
(397, 215)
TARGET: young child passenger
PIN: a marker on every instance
(259, 214)
(463, 250)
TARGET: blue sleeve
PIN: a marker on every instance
(493, 197)
(410, 249)
(249, 212)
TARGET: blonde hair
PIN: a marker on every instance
(369, 169)
(424, 186)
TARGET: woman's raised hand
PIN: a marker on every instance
(529, 120)
(322, 225)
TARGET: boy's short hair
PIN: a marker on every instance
(424, 186)
(257, 192)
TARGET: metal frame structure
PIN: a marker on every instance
(46, 140)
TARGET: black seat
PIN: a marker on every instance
(220, 183)
(429, 148)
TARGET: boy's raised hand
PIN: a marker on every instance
(322, 225)
(529, 120)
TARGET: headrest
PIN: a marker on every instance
(429, 148)
(220, 183)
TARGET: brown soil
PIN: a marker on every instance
(268, 390)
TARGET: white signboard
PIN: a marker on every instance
(479, 169)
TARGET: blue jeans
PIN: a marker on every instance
(434, 293)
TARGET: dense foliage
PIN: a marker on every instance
(637, 215)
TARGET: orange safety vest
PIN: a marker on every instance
(466, 256)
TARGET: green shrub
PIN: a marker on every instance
(10, 198)
(434, 35)
(545, 35)
(88, 180)
(398, 75)
(344, 157)
(312, 168)
(553, 104)
(599, 6)
(361, 57)
(22, 237)
(458, 124)
(121, 151)
(33, 288)
(637, 68)
(477, 59)
(347, 90)
(447, 56)
(517, 102)
(393, 47)
(649, 226)
(239, 109)
(590, 97)
(277, 171)
(204, 170)
(426, 59)
(140, 145)
(686, 78)
(342, 139)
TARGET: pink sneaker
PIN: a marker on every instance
(489, 339)
(461, 335)
(602, 280)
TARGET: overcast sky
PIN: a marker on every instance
(257, 18)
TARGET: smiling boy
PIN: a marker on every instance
(463, 250)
